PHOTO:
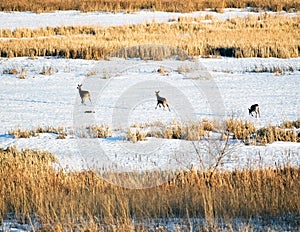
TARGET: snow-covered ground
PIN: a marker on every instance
(13, 20)
(123, 95)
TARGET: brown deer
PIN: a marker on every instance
(84, 95)
(161, 101)
(254, 108)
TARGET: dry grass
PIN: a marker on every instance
(92, 131)
(26, 133)
(235, 128)
(96, 131)
(247, 132)
(187, 37)
(291, 124)
(239, 129)
(271, 134)
(83, 201)
(135, 135)
(135, 5)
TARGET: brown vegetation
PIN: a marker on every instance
(237, 37)
(26, 133)
(247, 132)
(135, 5)
(33, 189)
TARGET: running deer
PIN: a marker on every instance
(161, 101)
(254, 108)
(84, 95)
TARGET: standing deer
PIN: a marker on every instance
(254, 108)
(161, 101)
(84, 95)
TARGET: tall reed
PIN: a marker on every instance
(130, 5)
(237, 37)
(32, 188)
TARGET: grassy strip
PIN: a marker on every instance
(135, 5)
(92, 131)
(237, 37)
(192, 131)
(238, 129)
(246, 131)
(31, 187)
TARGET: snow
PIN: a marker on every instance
(13, 20)
(123, 94)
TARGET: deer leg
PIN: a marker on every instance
(168, 107)
(157, 105)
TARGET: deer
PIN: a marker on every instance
(84, 94)
(254, 108)
(161, 101)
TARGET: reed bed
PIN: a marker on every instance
(33, 190)
(261, 36)
(135, 5)
(235, 128)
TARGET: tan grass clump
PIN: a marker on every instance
(135, 135)
(239, 129)
(23, 74)
(96, 131)
(20, 133)
(192, 131)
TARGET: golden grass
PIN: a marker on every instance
(240, 130)
(96, 131)
(192, 131)
(247, 132)
(92, 131)
(135, 5)
(26, 133)
(291, 124)
(271, 134)
(135, 135)
(237, 37)
(81, 200)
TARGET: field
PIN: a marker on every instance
(115, 163)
